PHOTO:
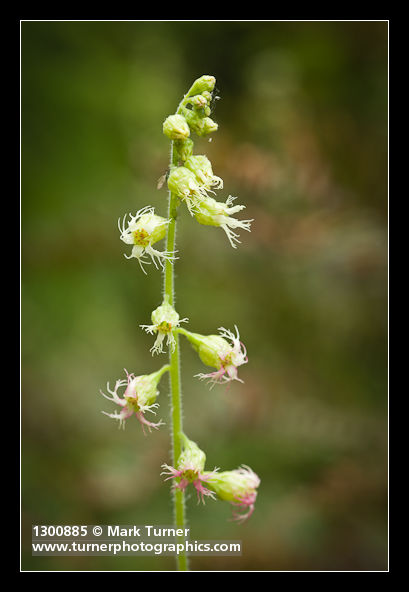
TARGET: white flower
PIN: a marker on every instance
(184, 183)
(217, 352)
(142, 231)
(164, 319)
(216, 213)
(201, 166)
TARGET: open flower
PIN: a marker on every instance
(142, 231)
(216, 213)
(237, 487)
(190, 469)
(165, 319)
(216, 351)
(201, 166)
(183, 183)
(139, 396)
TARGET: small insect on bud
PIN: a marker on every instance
(237, 487)
(217, 352)
(190, 469)
(183, 183)
(175, 127)
(201, 166)
(215, 213)
(139, 396)
(165, 319)
(142, 231)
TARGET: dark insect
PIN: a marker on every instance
(162, 179)
(215, 98)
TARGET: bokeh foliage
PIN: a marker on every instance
(302, 142)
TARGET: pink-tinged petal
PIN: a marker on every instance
(237, 517)
(214, 377)
(149, 424)
(115, 398)
(209, 475)
(171, 471)
(244, 353)
(202, 491)
(183, 483)
(122, 415)
(245, 501)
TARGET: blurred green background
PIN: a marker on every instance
(302, 142)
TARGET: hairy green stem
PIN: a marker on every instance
(174, 361)
(174, 372)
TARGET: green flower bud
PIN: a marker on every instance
(203, 84)
(194, 120)
(191, 457)
(175, 127)
(201, 126)
(209, 126)
(198, 101)
(212, 349)
(165, 314)
(183, 148)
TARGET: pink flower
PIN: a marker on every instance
(139, 396)
(189, 475)
(237, 487)
(190, 469)
(217, 352)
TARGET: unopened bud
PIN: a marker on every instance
(209, 126)
(203, 84)
(183, 149)
(175, 127)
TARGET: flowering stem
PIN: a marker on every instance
(174, 372)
